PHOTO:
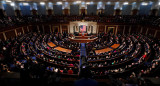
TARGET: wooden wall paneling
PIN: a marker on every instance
(114, 28)
(60, 28)
(120, 29)
(101, 29)
(15, 32)
(19, 31)
(144, 29)
(30, 28)
(34, 12)
(127, 29)
(134, 29)
(134, 11)
(2, 37)
(25, 29)
(158, 34)
(117, 12)
(83, 11)
(141, 29)
(52, 29)
(106, 28)
(138, 29)
(17, 12)
(154, 12)
(100, 11)
(46, 28)
(56, 28)
(66, 11)
(2, 13)
(151, 31)
(65, 29)
(124, 29)
(50, 12)
(10, 34)
(41, 28)
(33, 28)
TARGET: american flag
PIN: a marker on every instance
(82, 28)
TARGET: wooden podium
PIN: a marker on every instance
(85, 34)
(83, 39)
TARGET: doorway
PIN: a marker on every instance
(55, 29)
(110, 30)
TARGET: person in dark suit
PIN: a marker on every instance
(75, 70)
(85, 77)
(65, 70)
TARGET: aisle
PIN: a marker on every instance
(83, 50)
(82, 53)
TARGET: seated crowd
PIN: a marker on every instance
(136, 56)
(9, 21)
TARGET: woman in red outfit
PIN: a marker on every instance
(70, 71)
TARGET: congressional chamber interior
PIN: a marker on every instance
(80, 42)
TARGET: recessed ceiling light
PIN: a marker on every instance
(125, 3)
(8, 1)
(25, 4)
(59, 2)
(12, 4)
(144, 3)
(87, 2)
(78, 2)
(108, 2)
(42, 3)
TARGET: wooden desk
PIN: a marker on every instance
(85, 34)
(82, 37)
(83, 40)
(115, 46)
(51, 44)
(63, 49)
(103, 50)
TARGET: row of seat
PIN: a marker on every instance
(134, 56)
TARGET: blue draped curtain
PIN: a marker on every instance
(109, 9)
